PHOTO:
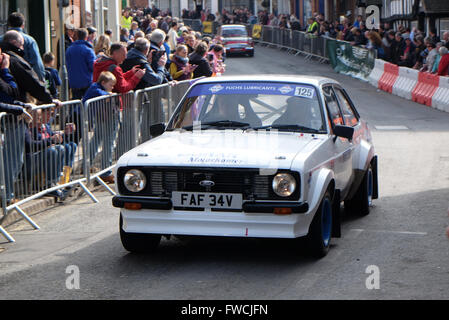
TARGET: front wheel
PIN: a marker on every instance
(138, 242)
(320, 231)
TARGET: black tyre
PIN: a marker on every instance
(138, 242)
(362, 201)
(320, 231)
(251, 54)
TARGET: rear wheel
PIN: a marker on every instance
(138, 242)
(362, 201)
(320, 231)
(251, 54)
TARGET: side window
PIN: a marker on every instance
(332, 106)
(345, 105)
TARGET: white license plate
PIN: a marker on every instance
(207, 200)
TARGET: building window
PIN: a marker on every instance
(3, 16)
(307, 10)
(444, 26)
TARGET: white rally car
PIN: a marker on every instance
(245, 157)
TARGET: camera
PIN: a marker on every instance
(157, 54)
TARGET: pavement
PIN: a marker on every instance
(403, 237)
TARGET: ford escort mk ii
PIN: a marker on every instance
(267, 156)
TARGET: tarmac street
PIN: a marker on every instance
(398, 251)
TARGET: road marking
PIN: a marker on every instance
(2, 249)
(353, 233)
(391, 128)
(390, 231)
(307, 281)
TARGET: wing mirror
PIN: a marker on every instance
(157, 129)
(343, 132)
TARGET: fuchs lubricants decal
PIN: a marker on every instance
(270, 88)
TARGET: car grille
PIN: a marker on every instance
(163, 181)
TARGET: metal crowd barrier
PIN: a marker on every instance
(178, 92)
(41, 157)
(195, 24)
(155, 105)
(102, 116)
(152, 106)
(296, 41)
(76, 143)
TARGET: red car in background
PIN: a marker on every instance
(235, 39)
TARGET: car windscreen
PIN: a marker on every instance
(257, 105)
(238, 32)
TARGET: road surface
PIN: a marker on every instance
(403, 238)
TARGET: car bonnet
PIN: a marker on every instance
(222, 148)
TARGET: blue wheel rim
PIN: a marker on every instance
(326, 221)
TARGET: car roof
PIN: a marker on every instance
(303, 79)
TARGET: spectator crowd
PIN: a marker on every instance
(154, 48)
(405, 47)
(401, 46)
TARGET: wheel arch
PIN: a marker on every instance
(366, 158)
(322, 181)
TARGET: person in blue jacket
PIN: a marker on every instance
(16, 21)
(80, 58)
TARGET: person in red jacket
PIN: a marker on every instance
(125, 81)
(443, 67)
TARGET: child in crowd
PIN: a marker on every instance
(52, 79)
(104, 85)
(104, 123)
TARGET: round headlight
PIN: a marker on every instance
(135, 180)
(284, 184)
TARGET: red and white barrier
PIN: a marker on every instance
(426, 87)
(377, 72)
(440, 99)
(389, 77)
(422, 87)
(407, 80)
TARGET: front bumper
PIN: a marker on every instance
(212, 223)
(232, 50)
(248, 206)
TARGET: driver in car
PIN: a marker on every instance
(226, 107)
(298, 112)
